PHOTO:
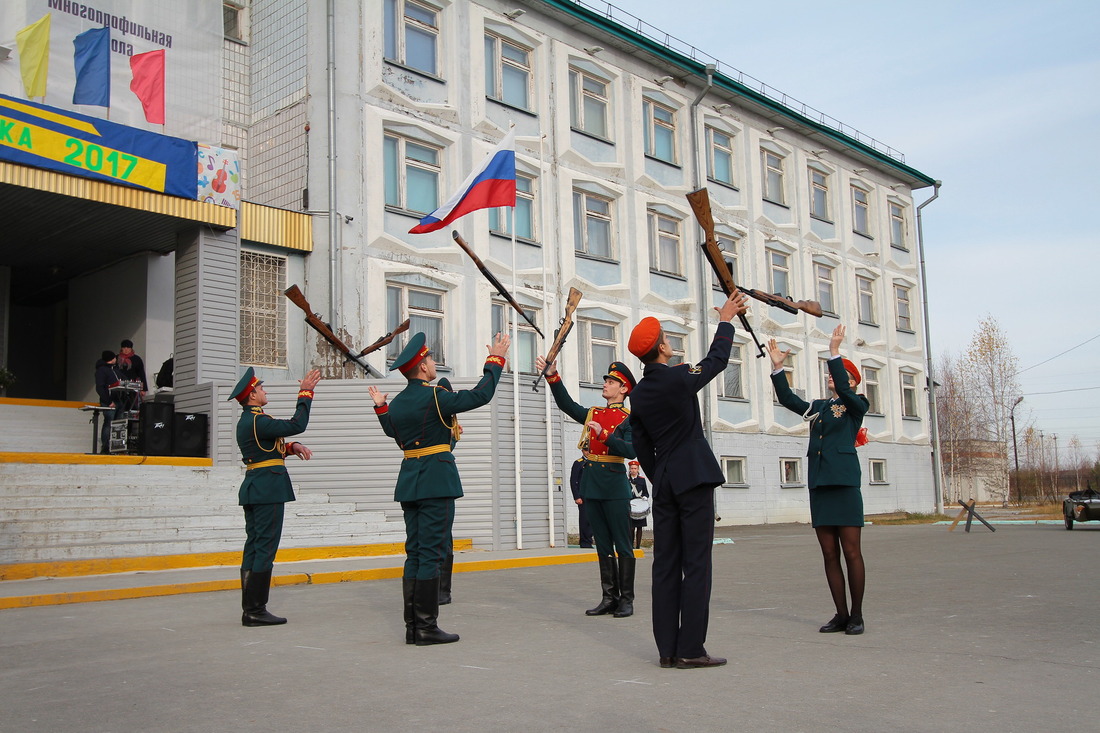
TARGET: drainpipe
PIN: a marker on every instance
(937, 479)
(704, 281)
(333, 216)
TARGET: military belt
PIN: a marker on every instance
(603, 459)
(429, 451)
(266, 464)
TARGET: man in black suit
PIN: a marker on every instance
(668, 436)
(575, 487)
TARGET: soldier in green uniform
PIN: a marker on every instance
(422, 420)
(266, 486)
(605, 489)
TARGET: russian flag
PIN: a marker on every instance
(492, 184)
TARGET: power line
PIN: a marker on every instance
(1061, 391)
(1057, 355)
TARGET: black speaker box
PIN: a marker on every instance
(156, 429)
(189, 437)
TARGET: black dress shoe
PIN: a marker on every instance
(699, 662)
(837, 624)
(855, 626)
(668, 662)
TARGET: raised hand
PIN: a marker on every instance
(501, 342)
(311, 379)
(737, 304)
(777, 356)
(378, 397)
(540, 364)
(836, 340)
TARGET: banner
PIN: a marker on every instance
(45, 137)
(92, 60)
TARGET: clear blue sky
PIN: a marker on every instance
(1001, 102)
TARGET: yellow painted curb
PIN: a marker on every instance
(25, 402)
(90, 459)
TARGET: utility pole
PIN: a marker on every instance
(1042, 466)
(1054, 478)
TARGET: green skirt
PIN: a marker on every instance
(836, 506)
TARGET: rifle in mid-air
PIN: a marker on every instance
(299, 299)
(560, 335)
(492, 279)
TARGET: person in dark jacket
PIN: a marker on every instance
(106, 377)
(836, 505)
(675, 455)
(131, 365)
(422, 420)
(584, 528)
(639, 490)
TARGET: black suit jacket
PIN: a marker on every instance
(666, 422)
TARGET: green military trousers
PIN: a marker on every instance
(427, 531)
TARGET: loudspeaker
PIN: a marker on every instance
(189, 438)
(156, 428)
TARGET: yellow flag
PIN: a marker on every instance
(33, 43)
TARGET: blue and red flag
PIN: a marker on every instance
(492, 184)
(92, 58)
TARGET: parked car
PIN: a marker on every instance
(1081, 506)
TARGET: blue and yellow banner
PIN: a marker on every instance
(45, 137)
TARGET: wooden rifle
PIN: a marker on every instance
(492, 279)
(560, 335)
(299, 299)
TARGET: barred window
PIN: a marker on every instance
(263, 310)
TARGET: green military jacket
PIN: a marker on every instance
(420, 417)
(260, 439)
(834, 423)
(600, 480)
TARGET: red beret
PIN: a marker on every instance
(644, 336)
(853, 371)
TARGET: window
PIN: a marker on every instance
(904, 319)
(779, 272)
(411, 174)
(507, 72)
(825, 276)
(773, 177)
(660, 131)
(866, 288)
(233, 21)
(424, 309)
(730, 385)
(790, 471)
(412, 32)
(719, 156)
(871, 390)
(878, 470)
(676, 343)
(588, 103)
(897, 227)
(592, 224)
(909, 395)
(861, 220)
(500, 219)
(263, 310)
(823, 370)
(734, 469)
(525, 348)
(728, 245)
(788, 372)
(664, 244)
(819, 195)
(602, 347)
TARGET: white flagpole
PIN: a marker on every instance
(515, 390)
(548, 327)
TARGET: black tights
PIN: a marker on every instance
(637, 538)
(833, 541)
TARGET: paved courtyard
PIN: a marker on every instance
(984, 630)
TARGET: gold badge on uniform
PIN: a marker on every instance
(839, 410)
(696, 369)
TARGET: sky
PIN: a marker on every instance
(998, 100)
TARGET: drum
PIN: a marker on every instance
(639, 508)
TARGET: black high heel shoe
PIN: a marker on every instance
(837, 624)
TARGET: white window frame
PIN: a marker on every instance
(404, 163)
(591, 371)
(741, 462)
(522, 353)
(728, 245)
(398, 24)
(664, 232)
(825, 284)
(819, 193)
(716, 150)
(772, 185)
(500, 218)
(790, 468)
(499, 63)
(582, 215)
(775, 267)
(263, 309)
(736, 366)
(910, 406)
(676, 344)
(865, 287)
(235, 21)
(861, 211)
(582, 95)
(880, 464)
(903, 304)
(898, 227)
(399, 309)
(788, 372)
(872, 388)
(655, 123)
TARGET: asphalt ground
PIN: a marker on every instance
(964, 631)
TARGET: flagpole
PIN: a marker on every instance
(547, 325)
(515, 393)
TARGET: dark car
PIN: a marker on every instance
(1081, 506)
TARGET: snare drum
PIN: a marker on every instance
(639, 507)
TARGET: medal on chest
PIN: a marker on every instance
(838, 410)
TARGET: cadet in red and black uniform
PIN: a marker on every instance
(266, 486)
(422, 420)
(605, 490)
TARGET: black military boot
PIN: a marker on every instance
(426, 612)
(445, 579)
(627, 565)
(408, 587)
(256, 590)
(609, 581)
